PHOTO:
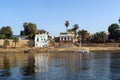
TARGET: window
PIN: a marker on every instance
(37, 39)
(61, 38)
(68, 39)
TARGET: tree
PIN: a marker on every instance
(67, 24)
(30, 29)
(100, 37)
(83, 34)
(112, 29)
(15, 40)
(22, 33)
(75, 28)
(6, 43)
(41, 31)
(7, 31)
(2, 36)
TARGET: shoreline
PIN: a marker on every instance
(91, 49)
(65, 49)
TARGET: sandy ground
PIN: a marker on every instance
(65, 49)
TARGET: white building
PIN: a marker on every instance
(41, 40)
(66, 37)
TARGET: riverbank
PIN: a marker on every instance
(53, 49)
(92, 49)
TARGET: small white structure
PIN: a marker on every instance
(41, 40)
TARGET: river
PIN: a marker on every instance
(60, 66)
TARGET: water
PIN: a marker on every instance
(60, 66)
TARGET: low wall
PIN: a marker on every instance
(21, 43)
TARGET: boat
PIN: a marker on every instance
(26, 51)
(82, 50)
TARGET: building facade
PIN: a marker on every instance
(41, 40)
(66, 37)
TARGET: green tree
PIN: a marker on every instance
(100, 37)
(67, 24)
(83, 34)
(7, 31)
(22, 33)
(30, 29)
(6, 43)
(15, 40)
(41, 31)
(75, 28)
(118, 34)
(112, 29)
(2, 36)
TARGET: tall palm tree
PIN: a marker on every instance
(67, 24)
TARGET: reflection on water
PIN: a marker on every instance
(27, 67)
(60, 66)
(41, 63)
(5, 66)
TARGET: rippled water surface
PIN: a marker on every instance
(60, 66)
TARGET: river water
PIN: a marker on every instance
(60, 66)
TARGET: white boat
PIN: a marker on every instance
(86, 50)
(83, 50)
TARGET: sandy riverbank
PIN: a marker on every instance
(92, 49)
(52, 49)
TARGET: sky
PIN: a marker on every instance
(50, 15)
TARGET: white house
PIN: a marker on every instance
(66, 37)
(41, 40)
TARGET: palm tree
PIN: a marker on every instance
(67, 24)
(6, 43)
(75, 28)
(15, 40)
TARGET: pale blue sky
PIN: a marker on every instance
(92, 15)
